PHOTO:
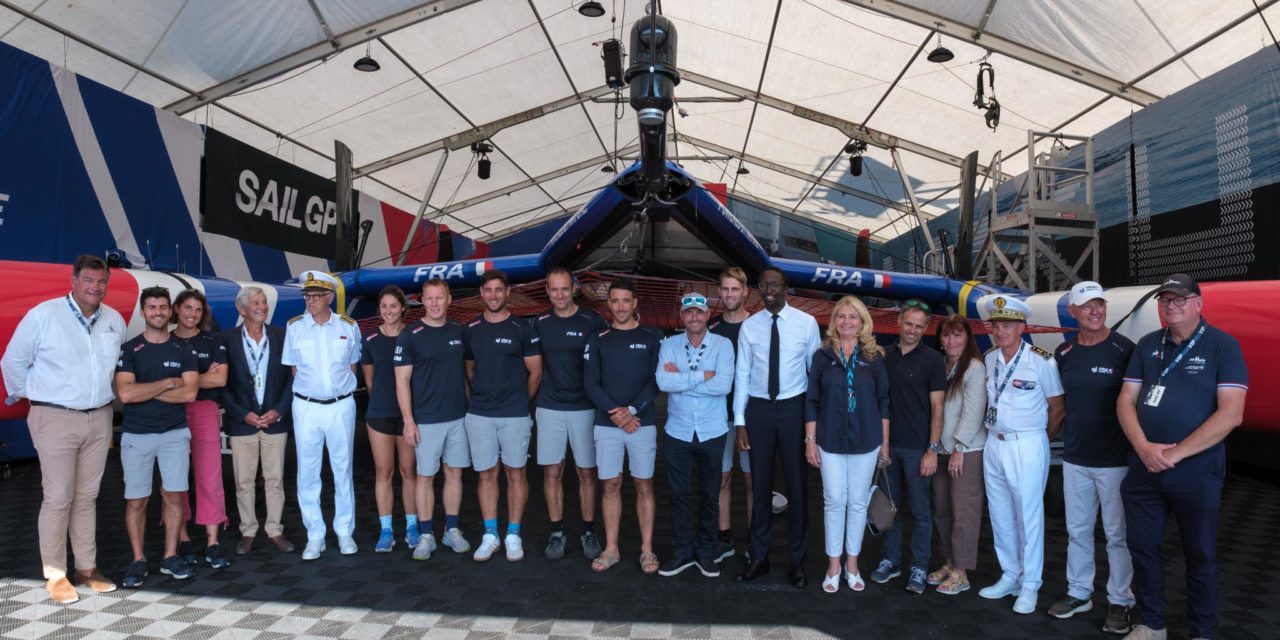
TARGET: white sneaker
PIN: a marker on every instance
(1026, 602)
(488, 545)
(515, 547)
(1143, 632)
(454, 540)
(313, 550)
(1001, 589)
(347, 545)
(426, 545)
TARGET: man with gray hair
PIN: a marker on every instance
(257, 402)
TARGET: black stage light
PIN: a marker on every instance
(742, 171)
(591, 9)
(482, 168)
(608, 168)
(855, 150)
(367, 64)
(611, 51)
(941, 54)
(855, 165)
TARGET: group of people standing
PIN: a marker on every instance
(949, 428)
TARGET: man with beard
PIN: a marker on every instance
(733, 296)
(156, 377)
(565, 415)
(504, 367)
(775, 348)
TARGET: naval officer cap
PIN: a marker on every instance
(1002, 307)
(318, 281)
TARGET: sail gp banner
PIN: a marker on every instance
(249, 194)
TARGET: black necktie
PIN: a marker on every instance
(775, 385)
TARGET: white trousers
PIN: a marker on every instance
(846, 490)
(1016, 472)
(316, 426)
(1085, 489)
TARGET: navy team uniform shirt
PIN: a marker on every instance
(630, 358)
(563, 340)
(1191, 387)
(378, 351)
(911, 378)
(439, 375)
(500, 384)
(730, 331)
(1092, 377)
(209, 350)
(151, 362)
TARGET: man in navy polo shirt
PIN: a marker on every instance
(1183, 392)
(504, 366)
(565, 416)
(156, 377)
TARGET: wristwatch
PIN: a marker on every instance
(632, 410)
(810, 439)
(936, 447)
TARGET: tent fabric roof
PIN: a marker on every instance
(785, 84)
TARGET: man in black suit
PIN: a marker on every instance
(257, 400)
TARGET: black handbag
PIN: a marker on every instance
(881, 511)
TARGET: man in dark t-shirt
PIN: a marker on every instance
(620, 367)
(1095, 457)
(1184, 391)
(565, 415)
(733, 297)
(917, 384)
(156, 376)
(432, 398)
(504, 367)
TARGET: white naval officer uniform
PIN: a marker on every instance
(1016, 462)
(324, 413)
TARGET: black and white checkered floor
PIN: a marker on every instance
(270, 595)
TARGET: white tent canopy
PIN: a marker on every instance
(777, 86)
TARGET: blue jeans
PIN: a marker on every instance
(904, 469)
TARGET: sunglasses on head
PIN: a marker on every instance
(692, 299)
(917, 304)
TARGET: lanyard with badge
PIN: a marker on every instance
(87, 324)
(255, 358)
(1156, 392)
(995, 400)
(849, 365)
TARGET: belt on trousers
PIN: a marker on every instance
(51, 405)
(1014, 435)
(322, 400)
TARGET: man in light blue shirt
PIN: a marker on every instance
(696, 370)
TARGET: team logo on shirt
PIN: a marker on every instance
(502, 341)
(1195, 364)
(370, 337)
(638, 345)
(1103, 370)
(171, 364)
(455, 343)
(399, 349)
(1024, 384)
(202, 356)
(139, 346)
(573, 334)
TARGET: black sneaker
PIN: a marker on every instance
(555, 546)
(708, 567)
(135, 574)
(187, 553)
(1117, 619)
(722, 550)
(1069, 606)
(675, 566)
(215, 557)
(177, 567)
(590, 545)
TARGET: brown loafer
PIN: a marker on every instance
(282, 543)
(244, 546)
(96, 581)
(61, 591)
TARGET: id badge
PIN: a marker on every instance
(1154, 394)
(258, 382)
(991, 417)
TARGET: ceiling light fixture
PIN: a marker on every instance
(608, 168)
(742, 171)
(855, 150)
(367, 64)
(483, 164)
(591, 9)
(941, 54)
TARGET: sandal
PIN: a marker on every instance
(939, 576)
(831, 584)
(953, 585)
(855, 581)
(604, 562)
(648, 563)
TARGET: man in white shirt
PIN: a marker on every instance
(62, 358)
(323, 348)
(775, 348)
(1024, 397)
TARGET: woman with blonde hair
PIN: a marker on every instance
(958, 491)
(846, 432)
